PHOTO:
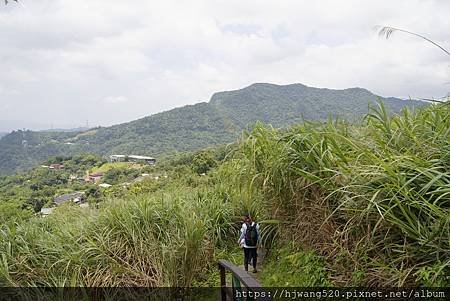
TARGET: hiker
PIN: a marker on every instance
(249, 240)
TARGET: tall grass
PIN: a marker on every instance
(380, 191)
(163, 239)
(373, 199)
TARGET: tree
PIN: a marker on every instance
(203, 161)
(93, 194)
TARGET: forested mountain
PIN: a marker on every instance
(195, 126)
(3, 134)
(285, 105)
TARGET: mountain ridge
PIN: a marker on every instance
(196, 126)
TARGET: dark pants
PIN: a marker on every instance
(249, 254)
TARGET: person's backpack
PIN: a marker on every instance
(251, 236)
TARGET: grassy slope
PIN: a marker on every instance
(373, 200)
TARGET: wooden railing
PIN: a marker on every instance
(243, 286)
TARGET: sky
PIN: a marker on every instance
(66, 63)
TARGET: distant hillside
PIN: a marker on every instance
(79, 129)
(195, 126)
(3, 134)
(446, 97)
(284, 105)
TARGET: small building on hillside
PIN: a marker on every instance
(56, 166)
(117, 158)
(139, 179)
(46, 211)
(94, 177)
(104, 185)
(133, 158)
(76, 197)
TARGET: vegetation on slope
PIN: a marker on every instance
(362, 204)
(299, 268)
(372, 199)
(194, 127)
(156, 240)
(281, 106)
(28, 192)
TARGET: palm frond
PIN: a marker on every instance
(387, 31)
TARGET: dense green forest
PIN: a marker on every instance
(195, 127)
(339, 204)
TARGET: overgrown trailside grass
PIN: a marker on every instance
(373, 199)
(211, 277)
(163, 239)
(288, 267)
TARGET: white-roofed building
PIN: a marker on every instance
(133, 158)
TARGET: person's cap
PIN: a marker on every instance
(247, 214)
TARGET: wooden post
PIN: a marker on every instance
(223, 283)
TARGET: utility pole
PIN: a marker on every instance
(24, 141)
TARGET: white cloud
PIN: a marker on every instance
(114, 99)
(62, 55)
